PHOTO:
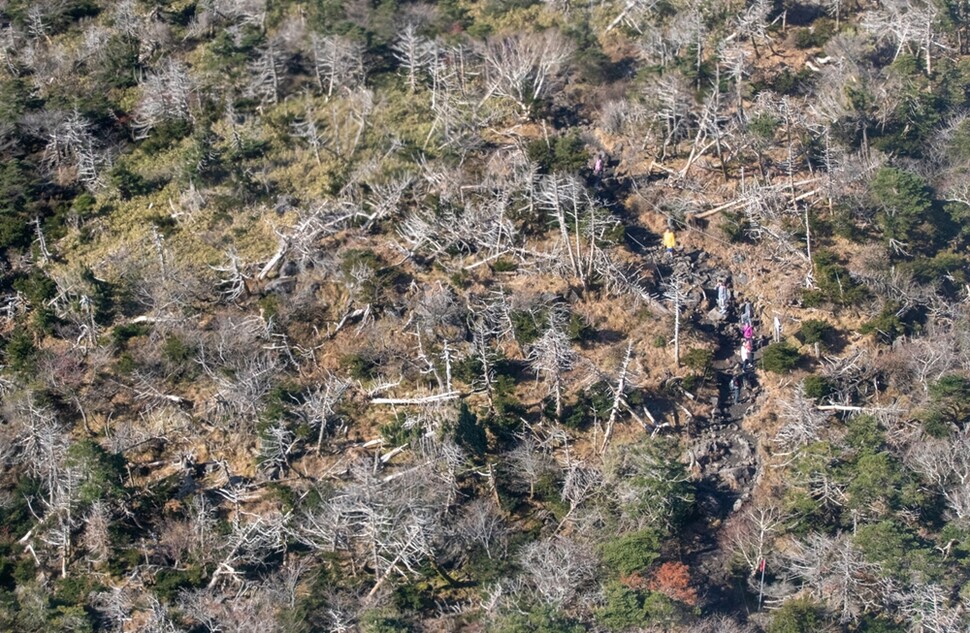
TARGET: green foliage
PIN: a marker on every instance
(123, 332)
(907, 213)
(735, 226)
(833, 282)
(631, 553)
(625, 608)
(469, 434)
(366, 270)
(502, 265)
(397, 433)
(565, 153)
(37, 287)
(359, 366)
(949, 404)
(816, 35)
(178, 352)
(74, 590)
(21, 354)
(662, 489)
(888, 325)
(780, 358)
(817, 387)
(578, 329)
(593, 64)
(16, 517)
(763, 126)
(798, 616)
(592, 403)
(879, 624)
(17, 185)
(165, 135)
(102, 473)
(899, 552)
(865, 434)
(120, 64)
(874, 476)
(698, 359)
(788, 82)
(169, 582)
(528, 326)
(128, 183)
(541, 619)
(815, 331)
(506, 419)
(384, 621)
(16, 97)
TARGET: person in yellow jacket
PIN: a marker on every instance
(670, 241)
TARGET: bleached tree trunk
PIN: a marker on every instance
(617, 396)
(676, 293)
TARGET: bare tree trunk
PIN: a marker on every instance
(618, 396)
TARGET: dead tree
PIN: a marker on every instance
(524, 67)
(415, 53)
(835, 571)
(930, 608)
(910, 25)
(530, 463)
(753, 533)
(580, 483)
(337, 62)
(557, 569)
(251, 540)
(946, 465)
(166, 96)
(233, 279)
(266, 72)
(802, 422)
(617, 395)
(276, 443)
(320, 408)
(752, 24)
(72, 153)
(677, 290)
(482, 524)
(551, 356)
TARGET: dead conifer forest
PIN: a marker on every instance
(498, 316)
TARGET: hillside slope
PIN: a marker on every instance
(336, 316)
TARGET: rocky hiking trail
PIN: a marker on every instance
(722, 455)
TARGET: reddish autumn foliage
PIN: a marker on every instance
(673, 580)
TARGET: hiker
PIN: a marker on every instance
(735, 388)
(670, 241)
(598, 165)
(747, 312)
(747, 331)
(777, 325)
(723, 297)
(745, 355)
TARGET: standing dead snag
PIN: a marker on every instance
(320, 407)
(676, 292)
(337, 62)
(523, 67)
(165, 97)
(414, 52)
(552, 356)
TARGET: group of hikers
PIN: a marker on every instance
(724, 301)
(746, 324)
